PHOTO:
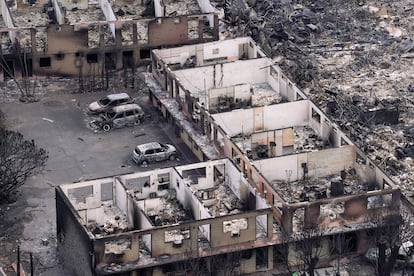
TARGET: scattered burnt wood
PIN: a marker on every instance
(338, 51)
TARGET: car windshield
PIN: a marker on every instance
(104, 101)
(111, 114)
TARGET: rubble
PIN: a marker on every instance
(263, 94)
(93, 13)
(114, 221)
(315, 188)
(220, 200)
(117, 246)
(181, 8)
(30, 19)
(169, 211)
(336, 51)
(307, 140)
(132, 10)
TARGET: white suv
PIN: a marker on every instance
(108, 102)
(153, 152)
(118, 116)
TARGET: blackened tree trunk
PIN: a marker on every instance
(386, 264)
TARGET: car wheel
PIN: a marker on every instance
(137, 122)
(106, 127)
(145, 163)
(172, 157)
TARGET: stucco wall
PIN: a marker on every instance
(73, 243)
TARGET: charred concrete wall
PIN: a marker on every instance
(222, 242)
(66, 51)
(320, 163)
(73, 242)
(204, 54)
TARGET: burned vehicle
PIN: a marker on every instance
(153, 152)
(108, 102)
(118, 116)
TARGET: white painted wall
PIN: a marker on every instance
(236, 121)
(233, 175)
(286, 115)
(58, 13)
(109, 14)
(91, 202)
(203, 81)
(275, 168)
(139, 179)
(7, 18)
(320, 163)
(243, 71)
(206, 7)
(261, 203)
(273, 81)
(275, 117)
(181, 58)
(121, 197)
(223, 49)
(178, 184)
(227, 48)
(130, 212)
(159, 8)
(223, 75)
(214, 93)
(207, 181)
(242, 91)
(283, 85)
(227, 144)
(144, 222)
(331, 161)
(96, 214)
(150, 204)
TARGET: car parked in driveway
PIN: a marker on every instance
(153, 152)
(108, 102)
(118, 116)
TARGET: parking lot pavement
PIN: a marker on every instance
(58, 123)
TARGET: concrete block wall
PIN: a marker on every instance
(73, 243)
(103, 255)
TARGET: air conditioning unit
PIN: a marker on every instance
(178, 243)
(153, 195)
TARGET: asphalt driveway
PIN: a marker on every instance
(58, 123)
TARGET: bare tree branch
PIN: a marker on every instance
(19, 159)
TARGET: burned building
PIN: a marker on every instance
(273, 168)
(92, 39)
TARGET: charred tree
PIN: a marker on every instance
(227, 263)
(342, 244)
(307, 248)
(25, 85)
(387, 241)
(19, 159)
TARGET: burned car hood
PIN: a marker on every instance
(100, 118)
(94, 106)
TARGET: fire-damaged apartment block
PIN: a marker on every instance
(91, 39)
(275, 175)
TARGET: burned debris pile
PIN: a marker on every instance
(353, 59)
(316, 188)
